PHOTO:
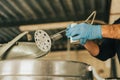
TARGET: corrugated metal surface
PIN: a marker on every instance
(18, 12)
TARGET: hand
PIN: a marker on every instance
(84, 31)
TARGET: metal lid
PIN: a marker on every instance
(34, 67)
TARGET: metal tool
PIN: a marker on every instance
(44, 41)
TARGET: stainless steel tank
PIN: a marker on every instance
(40, 78)
(44, 70)
(23, 50)
(15, 49)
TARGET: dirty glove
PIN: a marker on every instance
(84, 31)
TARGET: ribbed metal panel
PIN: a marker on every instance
(16, 12)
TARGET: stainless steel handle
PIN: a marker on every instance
(11, 43)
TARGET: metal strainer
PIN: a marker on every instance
(42, 40)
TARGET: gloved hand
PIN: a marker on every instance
(84, 31)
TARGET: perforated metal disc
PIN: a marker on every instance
(42, 40)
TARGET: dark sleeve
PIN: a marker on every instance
(107, 49)
(117, 21)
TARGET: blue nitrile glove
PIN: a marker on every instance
(84, 31)
(82, 41)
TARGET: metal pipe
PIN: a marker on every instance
(10, 44)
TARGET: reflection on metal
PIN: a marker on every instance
(11, 43)
(44, 70)
(23, 50)
(15, 49)
(40, 78)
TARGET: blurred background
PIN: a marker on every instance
(17, 16)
